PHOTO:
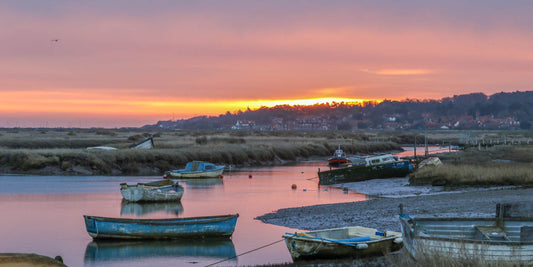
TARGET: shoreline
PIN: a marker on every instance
(382, 213)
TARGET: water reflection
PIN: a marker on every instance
(101, 251)
(204, 183)
(144, 208)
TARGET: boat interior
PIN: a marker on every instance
(480, 229)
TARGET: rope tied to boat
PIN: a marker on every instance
(249, 251)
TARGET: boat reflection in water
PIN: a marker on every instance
(204, 183)
(107, 251)
(143, 208)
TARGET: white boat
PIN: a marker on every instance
(197, 169)
(355, 241)
(508, 237)
(145, 144)
(164, 190)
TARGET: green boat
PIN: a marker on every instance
(382, 166)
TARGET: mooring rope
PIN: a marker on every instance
(249, 251)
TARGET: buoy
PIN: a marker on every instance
(221, 176)
(250, 176)
(305, 190)
(293, 186)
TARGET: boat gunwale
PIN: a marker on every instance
(319, 239)
(465, 240)
(165, 221)
(322, 240)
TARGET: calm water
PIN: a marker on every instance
(43, 214)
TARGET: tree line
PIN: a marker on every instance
(345, 116)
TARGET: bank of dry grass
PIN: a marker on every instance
(404, 259)
(499, 165)
(61, 151)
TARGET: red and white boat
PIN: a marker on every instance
(339, 158)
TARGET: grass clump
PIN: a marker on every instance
(470, 174)
(504, 165)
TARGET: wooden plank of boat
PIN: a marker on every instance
(489, 239)
(164, 190)
(192, 227)
(355, 242)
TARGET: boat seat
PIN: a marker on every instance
(493, 233)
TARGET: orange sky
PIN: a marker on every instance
(131, 63)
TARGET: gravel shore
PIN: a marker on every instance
(382, 212)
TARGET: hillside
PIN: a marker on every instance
(502, 111)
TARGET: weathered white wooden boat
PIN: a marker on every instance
(145, 144)
(343, 242)
(164, 190)
(192, 227)
(197, 169)
(507, 237)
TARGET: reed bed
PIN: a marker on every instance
(64, 152)
(499, 165)
(436, 259)
(404, 259)
(470, 174)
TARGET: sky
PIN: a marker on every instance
(128, 63)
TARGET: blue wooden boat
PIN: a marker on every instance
(192, 227)
(197, 169)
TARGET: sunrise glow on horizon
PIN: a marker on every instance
(141, 62)
(151, 109)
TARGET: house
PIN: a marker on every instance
(243, 125)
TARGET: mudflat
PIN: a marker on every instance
(382, 213)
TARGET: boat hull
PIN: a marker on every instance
(198, 174)
(194, 227)
(459, 238)
(363, 172)
(338, 161)
(324, 244)
(197, 169)
(139, 193)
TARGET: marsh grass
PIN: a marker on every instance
(502, 165)
(439, 259)
(64, 151)
(470, 174)
(403, 259)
